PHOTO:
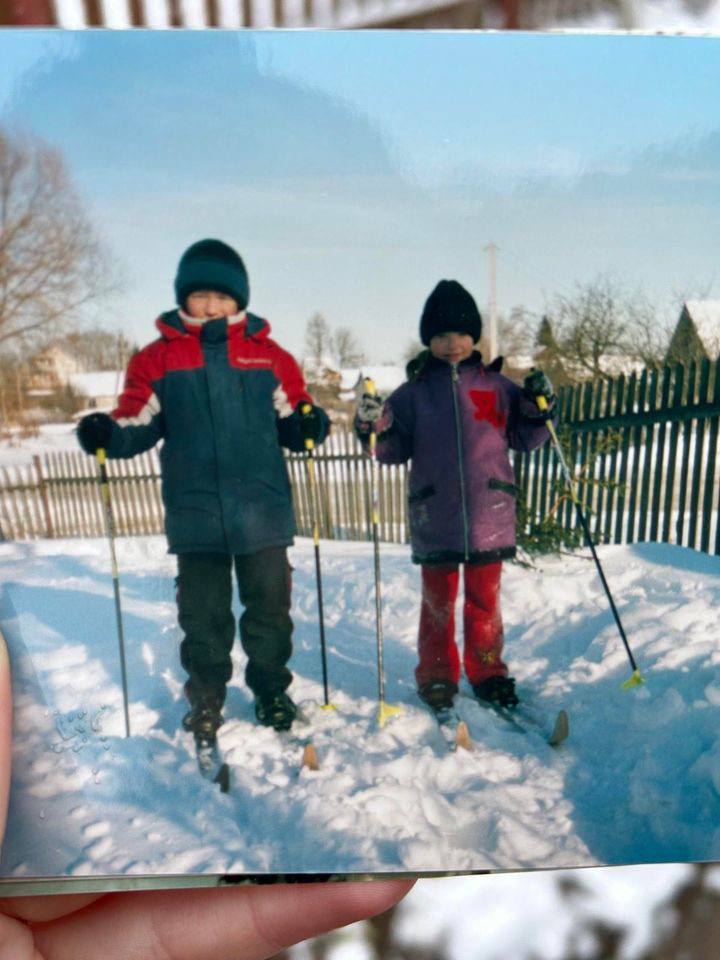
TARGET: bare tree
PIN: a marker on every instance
(603, 320)
(318, 340)
(649, 334)
(51, 262)
(346, 348)
(547, 356)
(590, 325)
(515, 332)
(690, 924)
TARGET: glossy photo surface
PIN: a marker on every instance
(570, 184)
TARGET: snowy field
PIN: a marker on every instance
(533, 916)
(638, 780)
(18, 451)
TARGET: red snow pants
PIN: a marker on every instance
(439, 658)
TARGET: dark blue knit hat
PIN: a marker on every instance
(212, 265)
(450, 309)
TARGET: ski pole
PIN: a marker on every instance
(110, 528)
(385, 710)
(305, 409)
(636, 678)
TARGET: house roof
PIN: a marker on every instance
(386, 377)
(705, 315)
(318, 364)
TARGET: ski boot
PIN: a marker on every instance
(203, 719)
(498, 691)
(438, 694)
(275, 710)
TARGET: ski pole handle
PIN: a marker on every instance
(305, 410)
(371, 390)
(101, 457)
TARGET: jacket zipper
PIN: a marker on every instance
(215, 441)
(459, 437)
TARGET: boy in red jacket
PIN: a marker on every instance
(224, 398)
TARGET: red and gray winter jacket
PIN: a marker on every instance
(223, 397)
(456, 429)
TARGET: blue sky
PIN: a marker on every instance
(354, 170)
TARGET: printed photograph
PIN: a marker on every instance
(359, 415)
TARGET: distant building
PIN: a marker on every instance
(50, 370)
(697, 333)
(386, 378)
(98, 389)
(320, 370)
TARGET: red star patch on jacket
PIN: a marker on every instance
(486, 407)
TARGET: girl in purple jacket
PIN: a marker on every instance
(455, 419)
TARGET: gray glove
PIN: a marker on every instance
(370, 408)
(536, 384)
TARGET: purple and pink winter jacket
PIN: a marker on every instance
(456, 427)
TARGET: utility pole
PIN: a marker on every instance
(492, 249)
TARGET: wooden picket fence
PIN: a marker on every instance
(644, 449)
(58, 495)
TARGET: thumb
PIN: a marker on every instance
(5, 731)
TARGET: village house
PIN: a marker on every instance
(386, 377)
(49, 371)
(97, 390)
(697, 333)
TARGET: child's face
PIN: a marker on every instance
(210, 304)
(451, 347)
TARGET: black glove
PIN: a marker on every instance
(370, 408)
(94, 431)
(313, 422)
(537, 385)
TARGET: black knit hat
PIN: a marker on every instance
(450, 309)
(212, 265)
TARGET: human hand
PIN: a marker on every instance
(94, 432)
(233, 923)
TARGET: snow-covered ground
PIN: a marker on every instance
(638, 780)
(17, 450)
(531, 916)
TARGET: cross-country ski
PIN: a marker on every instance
(211, 764)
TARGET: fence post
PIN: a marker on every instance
(49, 532)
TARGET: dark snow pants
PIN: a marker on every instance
(205, 616)
(482, 657)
